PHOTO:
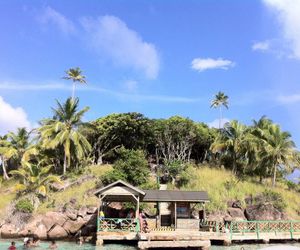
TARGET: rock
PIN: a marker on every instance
(9, 231)
(87, 217)
(91, 210)
(249, 200)
(237, 204)
(74, 226)
(216, 216)
(71, 214)
(82, 211)
(41, 232)
(88, 230)
(53, 218)
(236, 214)
(58, 232)
(262, 212)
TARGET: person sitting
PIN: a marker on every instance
(12, 246)
(101, 215)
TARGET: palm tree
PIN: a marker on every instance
(34, 179)
(63, 130)
(220, 100)
(232, 142)
(75, 74)
(7, 152)
(277, 148)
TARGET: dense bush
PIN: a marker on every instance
(132, 167)
(270, 196)
(24, 206)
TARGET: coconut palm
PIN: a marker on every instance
(220, 100)
(34, 179)
(7, 152)
(277, 148)
(233, 142)
(63, 130)
(75, 74)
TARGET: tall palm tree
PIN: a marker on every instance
(232, 142)
(220, 100)
(75, 74)
(277, 150)
(63, 130)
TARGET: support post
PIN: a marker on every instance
(175, 212)
(137, 211)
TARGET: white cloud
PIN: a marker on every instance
(110, 35)
(262, 46)
(11, 117)
(289, 99)
(52, 16)
(215, 123)
(201, 64)
(93, 89)
(287, 12)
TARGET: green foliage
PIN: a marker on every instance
(275, 198)
(131, 167)
(25, 206)
(291, 185)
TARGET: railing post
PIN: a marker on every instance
(257, 230)
(292, 229)
(217, 227)
(231, 223)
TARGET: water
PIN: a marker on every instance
(4, 244)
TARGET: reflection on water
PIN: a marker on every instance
(4, 244)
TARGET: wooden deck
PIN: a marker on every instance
(263, 231)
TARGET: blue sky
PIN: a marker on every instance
(160, 58)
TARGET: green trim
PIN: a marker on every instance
(118, 225)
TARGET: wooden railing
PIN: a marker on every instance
(254, 227)
(118, 225)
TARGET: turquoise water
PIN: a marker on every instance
(72, 246)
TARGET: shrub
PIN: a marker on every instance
(132, 167)
(24, 206)
(269, 196)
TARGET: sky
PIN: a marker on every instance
(160, 58)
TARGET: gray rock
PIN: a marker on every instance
(9, 231)
(262, 212)
(53, 218)
(91, 210)
(82, 211)
(74, 226)
(58, 232)
(236, 214)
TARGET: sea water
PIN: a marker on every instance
(62, 245)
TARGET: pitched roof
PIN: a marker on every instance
(173, 195)
(119, 183)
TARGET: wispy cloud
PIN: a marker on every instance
(50, 16)
(289, 99)
(92, 88)
(201, 64)
(261, 46)
(287, 14)
(111, 36)
(11, 117)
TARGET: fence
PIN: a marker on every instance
(118, 225)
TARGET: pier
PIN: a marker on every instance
(173, 227)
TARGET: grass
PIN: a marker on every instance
(7, 195)
(79, 192)
(222, 186)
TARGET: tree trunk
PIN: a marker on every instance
(100, 160)
(274, 176)
(5, 175)
(220, 118)
(73, 91)
(65, 164)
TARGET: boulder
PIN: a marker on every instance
(58, 232)
(88, 230)
(91, 210)
(41, 232)
(71, 214)
(82, 211)
(262, 212)
(216, 216)
(9, 231)
(53, 218)
(74, 226)
(236, 214)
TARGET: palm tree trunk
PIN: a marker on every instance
(274, 176)
(65, 164)
(73, 91)
(5, 175)
(220, 118)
